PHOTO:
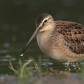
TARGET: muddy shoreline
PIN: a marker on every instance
(43, 79)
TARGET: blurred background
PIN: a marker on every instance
(17, 24)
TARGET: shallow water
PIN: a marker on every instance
(13, 53)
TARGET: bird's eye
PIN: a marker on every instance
(45, 21)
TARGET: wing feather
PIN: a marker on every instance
(73, 35)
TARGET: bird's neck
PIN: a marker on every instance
(43, 41)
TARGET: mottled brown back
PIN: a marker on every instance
(73, 34)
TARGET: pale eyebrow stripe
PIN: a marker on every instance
(43, 21)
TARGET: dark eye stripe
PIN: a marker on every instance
(45, 21)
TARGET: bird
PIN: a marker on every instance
(61, 40)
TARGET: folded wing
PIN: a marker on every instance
(73, 34)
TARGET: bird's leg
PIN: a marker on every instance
(68, 68)
(76, 65)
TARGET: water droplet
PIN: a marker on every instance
(21, 55)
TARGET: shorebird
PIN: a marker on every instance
(61, 40)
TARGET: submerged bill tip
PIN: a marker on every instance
(21, 54)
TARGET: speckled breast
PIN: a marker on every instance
(44, 44)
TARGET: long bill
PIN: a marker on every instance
(30, 40)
